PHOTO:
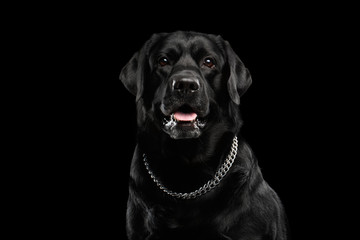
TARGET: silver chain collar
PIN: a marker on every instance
(207, 187)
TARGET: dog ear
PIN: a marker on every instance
(129, 75)
(133, 73)
(240, 78)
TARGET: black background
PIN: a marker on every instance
(91, 125)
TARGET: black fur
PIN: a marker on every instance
(242, 206)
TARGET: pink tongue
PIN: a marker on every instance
(180, 116)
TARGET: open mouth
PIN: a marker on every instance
(185, 121)
(184, 116)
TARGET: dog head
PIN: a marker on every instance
(185, 82)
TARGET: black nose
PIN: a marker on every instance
(186, 84)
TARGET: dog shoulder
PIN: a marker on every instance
(263, 201)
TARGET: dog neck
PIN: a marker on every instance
(189, 152)
(185, 164)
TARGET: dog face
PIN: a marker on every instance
(183, 81)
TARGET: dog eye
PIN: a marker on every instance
(163, 61)
(209, 62)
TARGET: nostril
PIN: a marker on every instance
(194, 86)
(178, 85)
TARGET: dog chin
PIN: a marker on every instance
(183, 129)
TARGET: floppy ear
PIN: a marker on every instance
(133, 73)
(240, 78)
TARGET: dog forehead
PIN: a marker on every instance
(191, 42)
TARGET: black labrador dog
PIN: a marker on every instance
(192, 175)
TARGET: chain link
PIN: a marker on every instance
(207, 187)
